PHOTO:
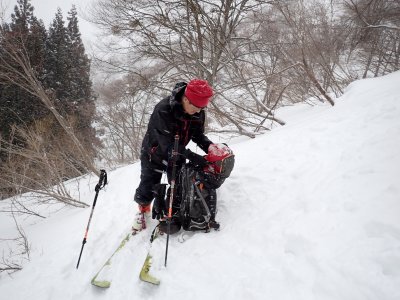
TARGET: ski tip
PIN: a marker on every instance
(145, 272)
(150, 279)
(101, 284)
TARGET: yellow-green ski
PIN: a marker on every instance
(145, 272)
(100, 279)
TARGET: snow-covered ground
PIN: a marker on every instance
(311, 211)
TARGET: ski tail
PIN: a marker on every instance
(103, 278)
(145, 271)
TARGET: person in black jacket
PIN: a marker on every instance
(182, 114)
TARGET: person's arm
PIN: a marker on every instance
(161, 135)
(199, 137)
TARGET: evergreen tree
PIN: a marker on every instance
(79, 75)
(16, 105)
(68, 75)
(22, 16)
(79, 72)
(57, 64)
(37, 44)
(58, 58)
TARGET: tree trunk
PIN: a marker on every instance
(314, 80)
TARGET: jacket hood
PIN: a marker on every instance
(175, 101)
(177, 94)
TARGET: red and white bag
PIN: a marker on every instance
(221, 159)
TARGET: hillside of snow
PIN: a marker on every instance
(311, 211)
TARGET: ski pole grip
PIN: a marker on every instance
(102, 180)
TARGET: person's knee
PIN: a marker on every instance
(143, 199)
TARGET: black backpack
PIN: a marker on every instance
(194, 197)
(197, 194)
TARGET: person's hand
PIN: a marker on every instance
(196, 159)
(158, 212)
(159, 206)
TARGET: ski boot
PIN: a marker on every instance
(141, 218)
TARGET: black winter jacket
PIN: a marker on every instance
(167, 120)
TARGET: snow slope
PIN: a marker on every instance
(311, 211)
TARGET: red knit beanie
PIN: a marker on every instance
(198, 92)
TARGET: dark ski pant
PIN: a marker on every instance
(150, 176)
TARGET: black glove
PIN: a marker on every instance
(195, 158)
(159, 206)
(158, 212)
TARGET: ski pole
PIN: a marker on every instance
(102, 182)
(171, 195)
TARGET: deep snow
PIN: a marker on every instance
(311, 211)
